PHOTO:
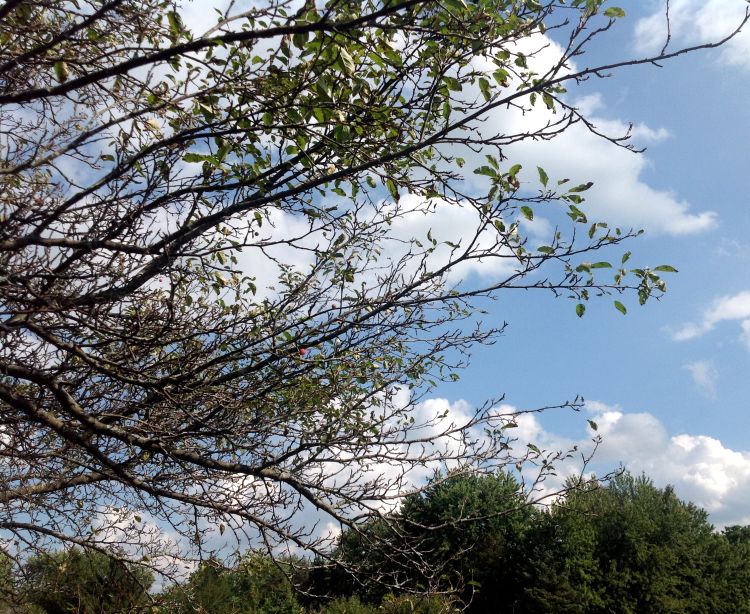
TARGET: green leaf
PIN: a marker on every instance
(582, 187)
(545, 249)
(665, 268)
(580, 309)
(543, 177)
(456, 5)
(299, 40)
(594, 426)
(453, 84)
(319, 114)
(614, 12)
(484, 87)
(528, 212)
(601, 265)
(486, 170)
(577, 215)
(175, 23)
(626, 257)
(391, 185)
(501, 76)
(620, 307)
(514, 170)
(193, 157)
(61, 71)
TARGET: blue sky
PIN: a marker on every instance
(668, 382)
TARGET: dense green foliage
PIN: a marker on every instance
(483, 520)
(84, 581)
(623, 547)
(632, 547)
(255, 585)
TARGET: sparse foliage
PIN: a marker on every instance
(217, 319)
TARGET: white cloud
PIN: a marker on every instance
(724, 308)
(620, 195)
(457, 223)
(732, 249)
(629, 436)
(643, 133)
(695, 22)
(704, 376)
(700, 467)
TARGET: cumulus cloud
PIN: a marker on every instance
(700, 467)
(704, 376)
(695, 22)
(724, 308)
(627, 436)
(457, 223)
(620, 194)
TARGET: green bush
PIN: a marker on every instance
(82, 582)
(348, 605)
(410, 604)
(254, 586)
(402, 604)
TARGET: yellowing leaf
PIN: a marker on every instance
(61, 71)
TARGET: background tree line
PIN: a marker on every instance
(626, 546)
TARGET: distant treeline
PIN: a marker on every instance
(624, 547)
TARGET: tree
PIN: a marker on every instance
(632, 547)
(77, 581)
(392, 605)
(256, 585)
(471, 529)
(211, 324)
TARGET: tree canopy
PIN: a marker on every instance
(221, 297)
(624, 546)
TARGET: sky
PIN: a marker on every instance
(668, 383)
